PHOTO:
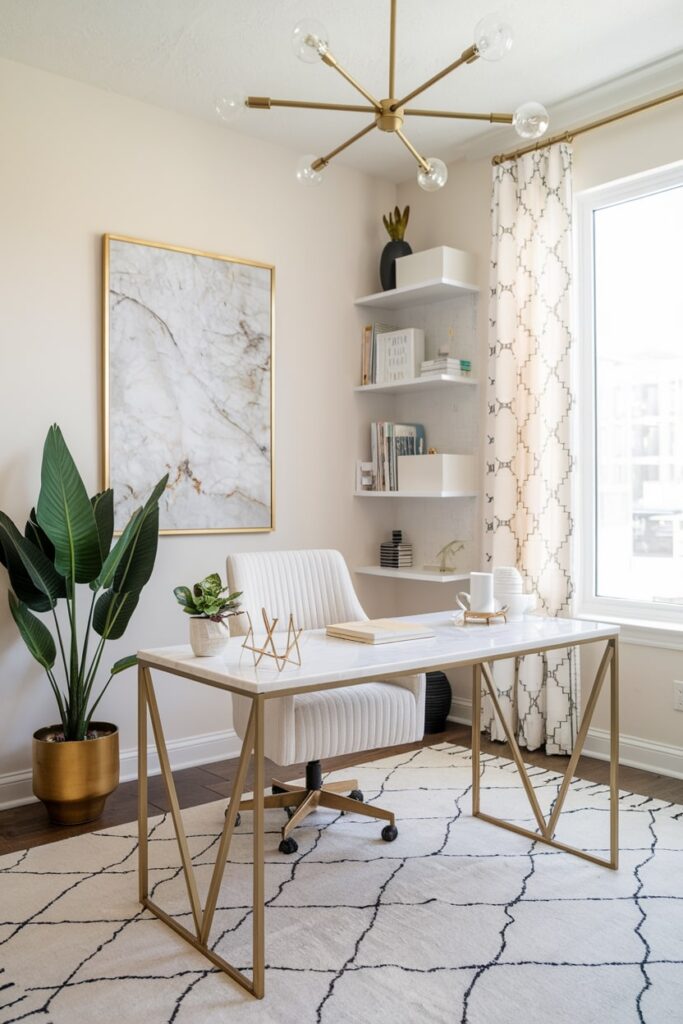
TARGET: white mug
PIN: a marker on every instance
(480, 597)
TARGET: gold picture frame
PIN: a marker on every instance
(145, 265)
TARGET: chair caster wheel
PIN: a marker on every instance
(356, 794)
(389, 833)
(289, 811)
(275, 790)
(288, 845)
(238, 820)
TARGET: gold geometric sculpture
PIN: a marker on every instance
(492, 41)
(268, 649)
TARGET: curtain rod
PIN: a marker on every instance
(569, 135)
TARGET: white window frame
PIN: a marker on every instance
(644, 622)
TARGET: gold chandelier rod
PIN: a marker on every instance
(467, 56)
(265, 103)
(332, 62)
(392, 48)
(491, 118)
(411, 149)
(323, 161)
(572, 133)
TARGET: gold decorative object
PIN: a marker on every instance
(447, 555)
(73, 778)
(269, 649)
(487, 617)
(493, 39)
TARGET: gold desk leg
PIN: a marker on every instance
(143, 878)
(258, 955)
(202, 921)
(609, 660)
(614, 756)
(476, 736)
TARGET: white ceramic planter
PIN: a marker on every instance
(208, 638)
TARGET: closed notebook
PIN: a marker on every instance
(379, 631)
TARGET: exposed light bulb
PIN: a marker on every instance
(530, 120)
(230, 106)
(310, 40)
(305, 174)
(493, 37)
(435, 178)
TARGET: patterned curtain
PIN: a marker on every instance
(529, 462)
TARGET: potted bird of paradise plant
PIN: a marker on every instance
(67, 541)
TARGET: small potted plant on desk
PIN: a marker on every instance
(68, 540)
(209, 606)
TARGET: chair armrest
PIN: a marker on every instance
(417, 684)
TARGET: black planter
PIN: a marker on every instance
(387, 264)
(437, 702)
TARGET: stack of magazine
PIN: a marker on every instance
(387, 442)
(395, 553)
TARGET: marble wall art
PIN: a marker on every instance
(188, 385)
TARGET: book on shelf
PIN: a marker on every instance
(399, 355)
(387, 442)
(379, 631)
(368, 356)
(445, 365)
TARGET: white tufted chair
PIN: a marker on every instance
(316, 587)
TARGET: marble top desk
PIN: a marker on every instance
(327, 663)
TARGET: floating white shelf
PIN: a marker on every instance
(415, 494)
(415, 384)
(420, 575)
(437, 290)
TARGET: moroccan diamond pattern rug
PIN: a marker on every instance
(456, 921)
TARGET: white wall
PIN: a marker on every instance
(77, 162)
(460, 216)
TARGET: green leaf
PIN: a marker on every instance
(135, 568)
(123, 663)
(111, 562)
(112, 613)
(184, 598)
(35, 633)
(103, 507)
(38, 537)
(20, 578)
(41, 570)
(65, 514)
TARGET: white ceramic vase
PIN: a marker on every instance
(208, 638)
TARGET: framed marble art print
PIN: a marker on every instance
(188, 385)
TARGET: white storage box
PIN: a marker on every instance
(435, 264)
(432, 474)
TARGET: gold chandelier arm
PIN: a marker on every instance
(460, 115)
(392, 48)
(332, 62)
(323, 161)
(266, 103)
(411, 149)
(467, 56)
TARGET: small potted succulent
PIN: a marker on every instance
(209, 607)
(396, 224)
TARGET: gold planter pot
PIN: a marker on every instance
(73, 778)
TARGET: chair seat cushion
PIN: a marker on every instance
(352, 718)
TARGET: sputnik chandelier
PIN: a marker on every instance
(310, 40)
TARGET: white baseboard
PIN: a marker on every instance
(16, 788)
(651, 756)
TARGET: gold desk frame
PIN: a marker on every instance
(105, 453)
(253, 745)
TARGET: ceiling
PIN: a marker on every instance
(182, 54)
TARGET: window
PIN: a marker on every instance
(630, 464)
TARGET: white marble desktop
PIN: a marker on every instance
(190, 375)
(326, 660)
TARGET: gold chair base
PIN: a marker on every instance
(306, 801)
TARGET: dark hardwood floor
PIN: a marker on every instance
(23, 827)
